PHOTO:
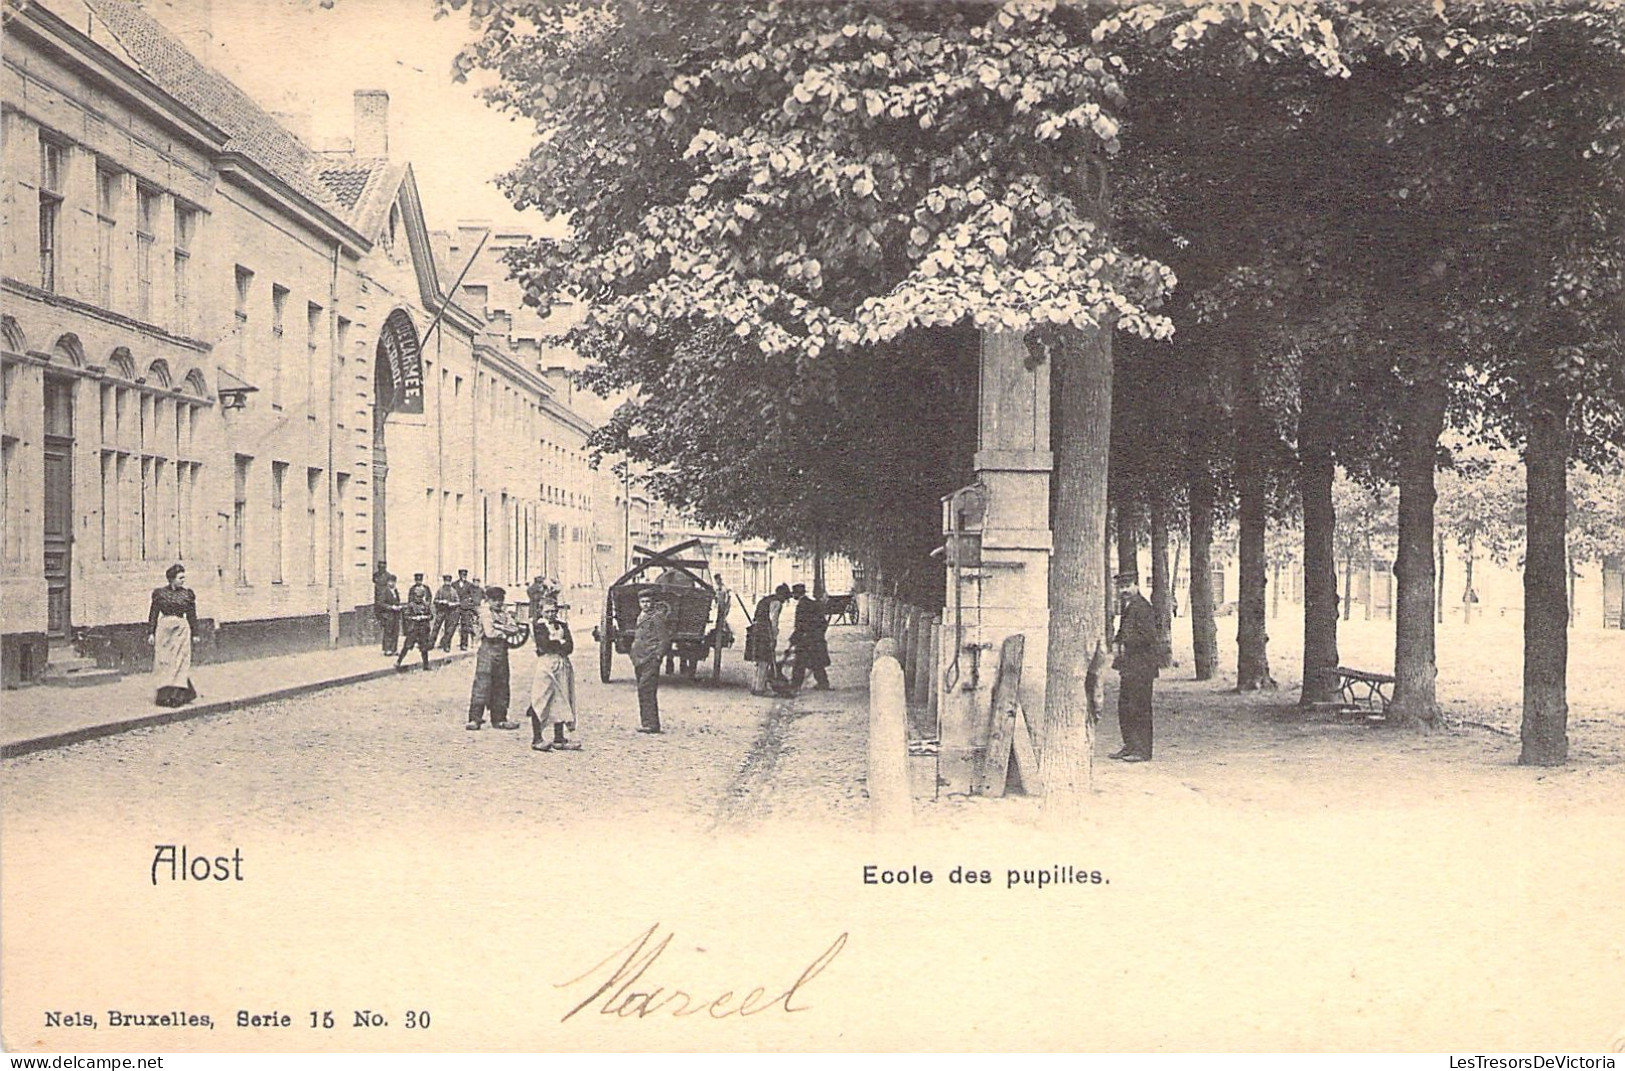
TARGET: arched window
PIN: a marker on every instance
(68, 351)
(15, 340)
(121, 364)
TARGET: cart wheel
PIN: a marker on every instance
(716, 658)
(606, 643)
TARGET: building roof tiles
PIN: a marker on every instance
(253, 132)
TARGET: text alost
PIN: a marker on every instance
(182, 864)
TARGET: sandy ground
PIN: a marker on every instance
(1271, 881)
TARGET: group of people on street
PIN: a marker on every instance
(462, 606)
(807, 651)
(426, 618)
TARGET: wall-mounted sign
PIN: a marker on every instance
(398, 352)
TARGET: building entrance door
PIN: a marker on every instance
(58, 509)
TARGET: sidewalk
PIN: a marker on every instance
(39, 717)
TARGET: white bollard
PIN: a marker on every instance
(891, 805)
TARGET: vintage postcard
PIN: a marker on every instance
(350, 707)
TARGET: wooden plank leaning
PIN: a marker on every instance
(995, 768)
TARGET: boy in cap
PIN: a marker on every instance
(491, 667)
(417, 620)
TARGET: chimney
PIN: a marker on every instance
(371, 122)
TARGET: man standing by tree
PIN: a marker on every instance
(650, 639)
(1137, 664)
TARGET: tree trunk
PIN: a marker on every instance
(1161, 583)
(818, 567)
(1319, 471)
(1252, 479)
(1422, 421)
(1080, 421)
(1204, 630)
(1370, 578)
(1545, 607)
(1128, 534)
(1108, 570)
(1440, 584)
(1574, 576)
(1348, 584)
(1173, 580)
(1468, 595)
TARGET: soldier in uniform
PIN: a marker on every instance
(445, 614)
(1138, 662)
(386, 609)
(468, 604)
(417, 620)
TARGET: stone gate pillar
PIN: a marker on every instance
(1008, 592)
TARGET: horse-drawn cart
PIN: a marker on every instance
(681, 585)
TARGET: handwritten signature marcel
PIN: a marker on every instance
(613, 993)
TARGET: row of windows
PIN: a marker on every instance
(149, 475)
(297, 384)
(293, 524)
(114, 190)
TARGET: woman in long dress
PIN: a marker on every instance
(171, 631)
(553, 688)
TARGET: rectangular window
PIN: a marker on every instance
(52, 156)
(341, 495)
(185, 504)
(106, 233)
(146, 229)
(245, 287)
(239, 518)
(110, 510)
(279, 474)
(185, 233)
(313, 498)
(129, 490)
(313, 334)
(279, 303)
(12, 485)
(341, 344)
(11, 499)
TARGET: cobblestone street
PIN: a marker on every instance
(393, 753)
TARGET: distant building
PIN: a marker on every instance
(226, 349)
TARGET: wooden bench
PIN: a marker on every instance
(1361, 688)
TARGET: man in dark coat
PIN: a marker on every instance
(386, 610)
(1138, 662)
(468, 605)
(650, 640)
(807, 640)
(445, 613)
(417, 621)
